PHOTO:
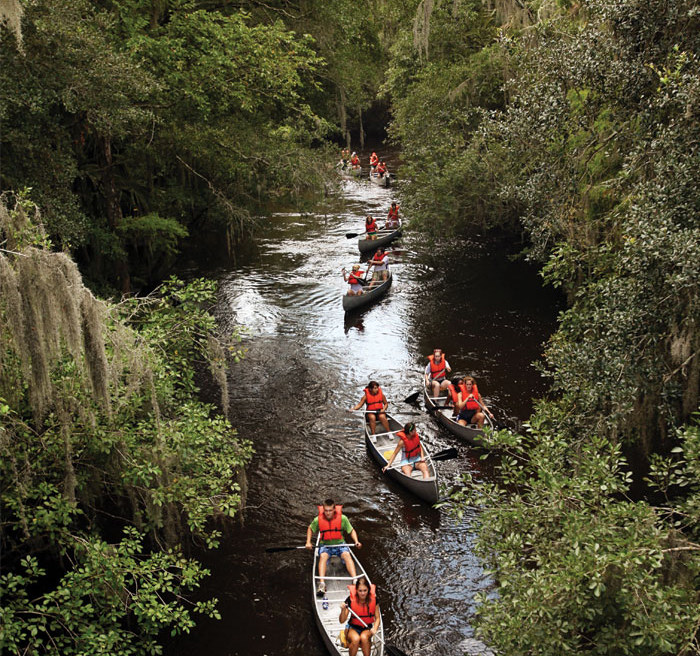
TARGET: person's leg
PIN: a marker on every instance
(349, 563)
(479, 419)
(353, 642)
(423, 467)
(385, 423)
(435, 388)
(322, 563)
(372, 423)
(365, 642)
(407, 469)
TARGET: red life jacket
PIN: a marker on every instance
(373, 159)
(381, 168)
(381, 257)
(411, 445)
(353, 279)
(393, 213)
(371, 226)
(355, 160)
(472, 402)
(331, 530)
(437, 371)
(365, 611)
(374, 401)
(455, 391)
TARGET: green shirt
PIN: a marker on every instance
(345, 526)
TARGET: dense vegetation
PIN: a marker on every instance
(579, 126)
(138, 125)
(107, 459)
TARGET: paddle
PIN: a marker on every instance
(447, 454)
(392, 650)
(278, 549)
(412, 398)
(351, 235)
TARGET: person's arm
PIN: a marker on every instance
(427, 375)
(385, 402)
(344, 612)
(377, 620)
(355, 539)
(347, 527)
(361, 403)
(309, 533)
(447, 367)
(393, 455)
(481, 402)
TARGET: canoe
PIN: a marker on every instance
(381, 446)
(384, 181)
(354, 302)
(337, 581)
(470, 433)
(383, 237)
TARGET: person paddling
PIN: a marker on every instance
(472, 406)
(392, 218)
(331, 523)
(355, 280)
(380, 262)
(365, 619)
(436, 372)
(413, 454)
(376, 403)
(371, 227)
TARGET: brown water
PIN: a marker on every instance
(306, 363)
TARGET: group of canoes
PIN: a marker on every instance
(350, 166)
(345, 601)
(362, 290)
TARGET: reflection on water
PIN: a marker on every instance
(307, 362)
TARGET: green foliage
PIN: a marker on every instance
(110, 464)
(578, 567)
(119, 110)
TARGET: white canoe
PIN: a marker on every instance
(337, 580)
(470, 433)
(384, 237)
(383, 181)
(382, 445)
(369, 296)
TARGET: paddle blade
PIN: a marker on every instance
(447, 454)
(393, 650)
(351, 235)
(412, 398)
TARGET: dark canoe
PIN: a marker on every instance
(470, 433)
(337, 580)
(383, 181)
(384, 237)
(354, 302)
(382, 445)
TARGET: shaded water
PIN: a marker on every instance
(307, 363)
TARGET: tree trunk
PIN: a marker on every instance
(362, 133)
(114, 211)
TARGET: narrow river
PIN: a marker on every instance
(305, 365)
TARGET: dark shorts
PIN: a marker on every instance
(376, 413)
(467, 415)
(360, 629)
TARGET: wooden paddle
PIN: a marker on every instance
(278, 549)
(392, 650)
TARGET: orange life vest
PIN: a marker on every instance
(331, 530)
(381, 168)
(472, 402)
(353, 278)
(371, 226)
(355, 160)
(438, 371)
(454, 391)
(411, 445)
(365, 611)
(377, 255)
(374, 401)
(393, 213)
(373, 159)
